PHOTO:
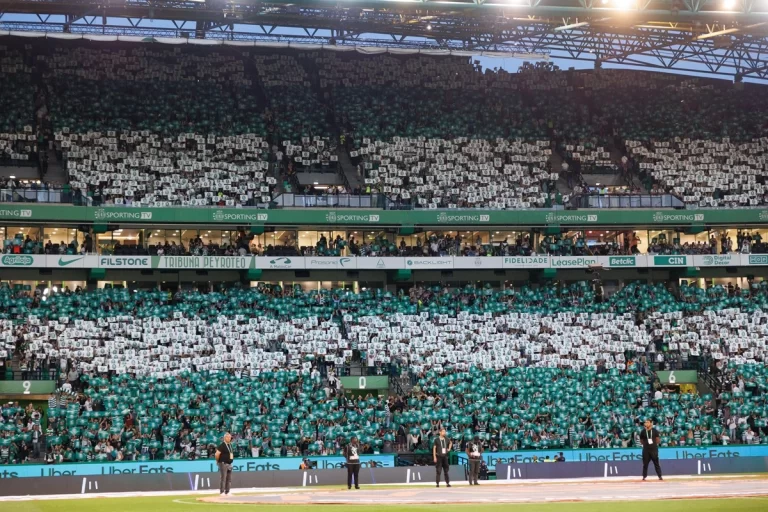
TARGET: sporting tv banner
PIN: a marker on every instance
(376, 263)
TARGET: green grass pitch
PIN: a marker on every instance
(189, 504)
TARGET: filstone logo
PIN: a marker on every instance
(124, 262)
(350, 217)
(444, 218)
(15, 212)
(223, 216)
(678, 217)
(553, 218)
(106, 214)
(17, 261)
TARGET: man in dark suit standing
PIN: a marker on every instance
(352, 454)
(474, 454)
(441, 448)
(650, 439)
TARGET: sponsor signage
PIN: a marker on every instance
(127, 262)
(16, 213)
(622, 261)
(23, 260)
(169, 467)
(526, 262)
(353, 217)
(331, 263)
(333, 217)
(456, 217)
(716, 260)
(666, 217)
(279, 262)
(429, 263)
(573, 261)
(571, 217)
(478, 262)
(625, 454)
(670, 261)
(239, 216)
(375, 263)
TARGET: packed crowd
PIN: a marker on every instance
(213, 128)
(147, 375)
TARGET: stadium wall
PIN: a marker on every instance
(370, 217)
(203, 481)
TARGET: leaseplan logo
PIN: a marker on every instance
(65, 263)
(280, 263)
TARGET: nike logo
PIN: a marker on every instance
(63, 263)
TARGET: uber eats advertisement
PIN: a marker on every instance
(197, 466)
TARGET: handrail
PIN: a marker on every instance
(626, 201)
(8, 374)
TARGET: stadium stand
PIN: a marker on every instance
(209, 120)
(157, 376)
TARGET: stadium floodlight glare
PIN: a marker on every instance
(625, 4)
(728, 5)
(429, 26)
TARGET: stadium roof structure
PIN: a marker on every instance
(715, 37)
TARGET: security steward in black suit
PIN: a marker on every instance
(650, 439)
(441, 448)
(352, 454)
